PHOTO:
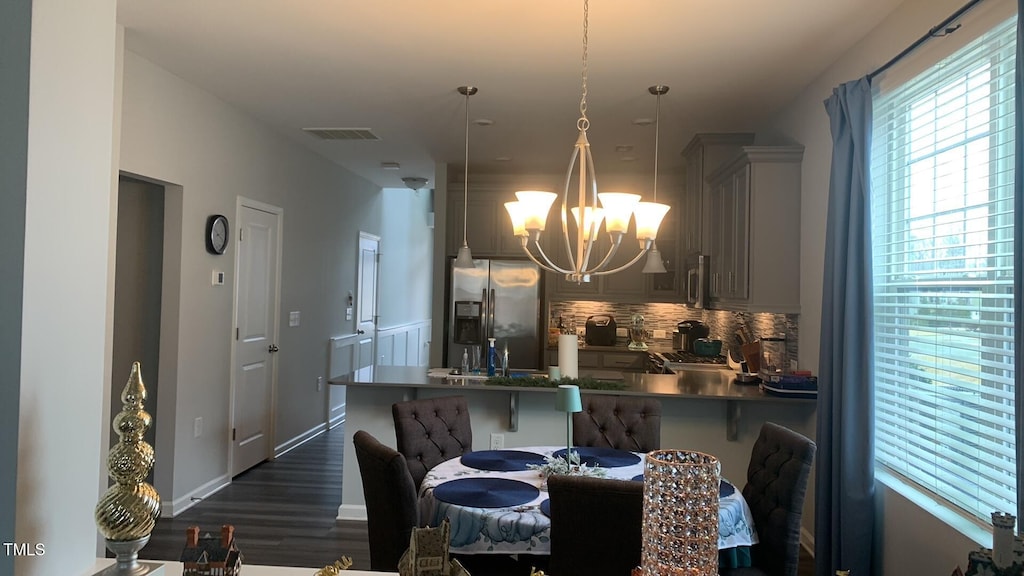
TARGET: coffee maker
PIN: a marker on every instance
(689, 332)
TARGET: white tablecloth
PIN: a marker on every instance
(524, 529)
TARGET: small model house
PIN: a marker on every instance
(209, 555)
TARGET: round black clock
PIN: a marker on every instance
(216, 234)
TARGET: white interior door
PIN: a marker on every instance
(366, 307)
(256, 307)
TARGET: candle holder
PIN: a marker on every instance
(680, 532)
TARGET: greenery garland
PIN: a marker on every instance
(585, 383)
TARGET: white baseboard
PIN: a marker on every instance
(337, 415)
(351, 512)
(299, 440)
(807, 540)
(179, 505)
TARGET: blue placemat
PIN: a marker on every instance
(725, 489)
(501, 460)
(638, 478)
(485, 492)
(607, 457)
(545, 507)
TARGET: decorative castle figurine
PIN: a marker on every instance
(209, 555)
(1006, 557)
(427, 554)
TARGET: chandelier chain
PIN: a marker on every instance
(583, 122)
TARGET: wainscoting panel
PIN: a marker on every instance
(405, 345)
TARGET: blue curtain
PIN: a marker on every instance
(844, 481)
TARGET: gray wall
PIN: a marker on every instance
(407, 246)
(914, 541)
(212, 153)
(137, 285)
(15, 28)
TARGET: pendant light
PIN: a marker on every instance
(654, 264)
(464, 259)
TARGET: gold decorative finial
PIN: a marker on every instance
(127, 512)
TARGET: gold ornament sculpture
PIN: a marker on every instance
(127, 512)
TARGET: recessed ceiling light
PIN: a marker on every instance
(628, 159)
(390, 165)
(623, 148)
(502, 158)
(643, 121)
(483, 122)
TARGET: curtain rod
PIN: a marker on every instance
(943, 29)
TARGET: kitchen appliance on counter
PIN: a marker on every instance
(600, 330)
(497, 299)
(689, 332)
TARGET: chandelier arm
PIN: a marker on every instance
(627, 264)
(594, 226)
(549, 264)
(616, 242)
(565, 206)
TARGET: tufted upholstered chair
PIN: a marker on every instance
(780, 464)
(430, 431)
(595, 525)
(623, 422)
(390, 496)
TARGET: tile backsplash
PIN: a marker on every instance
(723, 324)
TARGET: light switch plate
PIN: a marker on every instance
(348, 313)
(293, 318)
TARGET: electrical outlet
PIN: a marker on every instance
(659, 333)
(622, 332)
(497, 441)
(319, 383)
(197, 428)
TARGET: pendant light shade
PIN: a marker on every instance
(464, 259)
(654, 264)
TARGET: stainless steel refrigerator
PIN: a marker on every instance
(498, 299)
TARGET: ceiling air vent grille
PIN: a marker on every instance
(342, 133)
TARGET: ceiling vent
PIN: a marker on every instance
(342, 133)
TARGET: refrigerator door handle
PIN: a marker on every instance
(490, 309)
(484, 315)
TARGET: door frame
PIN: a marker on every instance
(240, 203)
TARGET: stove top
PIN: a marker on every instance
(681, 358)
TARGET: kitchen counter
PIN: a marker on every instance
(698, 384)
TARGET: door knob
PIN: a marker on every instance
(272, 348)
(360, 331)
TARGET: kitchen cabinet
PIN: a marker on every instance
(754, 231)
(489, 233)
(703, 154)
(607, 358)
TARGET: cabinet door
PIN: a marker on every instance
(665, 287)
(740, 228)
(718, 235)
(630, 283)
(691, 217)
(481, 232)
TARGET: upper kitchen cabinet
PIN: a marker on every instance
(702, 155)
(753, 231)
(489, 233)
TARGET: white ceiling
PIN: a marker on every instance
(394, 65)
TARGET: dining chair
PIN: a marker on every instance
(595, 525)
(430, 431)
(390, 496)
(624, 422)
(780, 464)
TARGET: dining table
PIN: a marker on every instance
(497, 503)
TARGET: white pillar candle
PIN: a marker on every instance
(568, 356)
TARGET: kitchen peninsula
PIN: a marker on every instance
(702, 410)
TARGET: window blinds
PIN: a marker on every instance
(942, 238)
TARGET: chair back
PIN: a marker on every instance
(390, 496)
(780, 464)
(624, 422)
(430, 431)
(595, 525)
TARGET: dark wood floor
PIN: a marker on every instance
(285, 514)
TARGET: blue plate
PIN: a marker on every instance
(545, 507)
(725, 489)
(501, 460)
(606, 457)
(486, 492)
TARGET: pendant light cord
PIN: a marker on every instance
(465, 179)
(657, 131)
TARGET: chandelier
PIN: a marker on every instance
(529, 212)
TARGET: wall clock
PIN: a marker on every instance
(216, 234)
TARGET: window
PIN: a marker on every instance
(942, 237)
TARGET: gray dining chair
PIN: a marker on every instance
(391, 511)
(595, 525)
(624, 422)
(430, 431)
(780, 464)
